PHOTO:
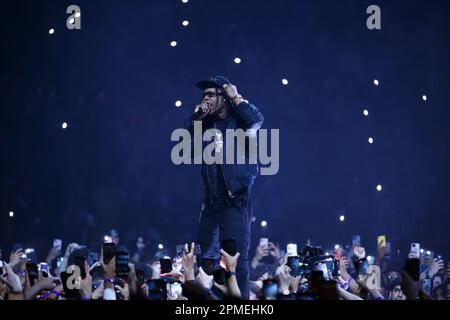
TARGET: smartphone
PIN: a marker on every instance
(269, 289)
(175, 290)
(208, 266)
(229, 246)
(370, 260)
(166, 265)
(140, 276)
(122, 260)
(57, 243)
(109, 251)
(388, 249)
(79, 262)
(415, 249)
(293, 262)
(412, 267)
(70, 293)
(17, 246)
(356, 240)
(220, 276)
(291, 249)
(336, 268)
(2, 269)
(43, 267)
(92, 258)
(31, 255)
(381, 241)
(323, 268)
(32, 269)
(264, 242)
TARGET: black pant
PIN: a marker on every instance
(228, 219)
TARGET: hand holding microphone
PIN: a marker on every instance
(202, 110)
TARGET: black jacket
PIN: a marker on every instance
(238, 177)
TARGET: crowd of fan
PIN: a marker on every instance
(115, 273)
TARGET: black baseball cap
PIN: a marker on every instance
(213, 82)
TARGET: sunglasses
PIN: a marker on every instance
(212, 94)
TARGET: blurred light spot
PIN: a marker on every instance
(185, 1)
(285, 82)
(424, 98)
(185, 23)
(342, 218)
(178, 103)
(379, 187)
(376, 82)
(160, 246)
(263, 223)
(370, 140)
(366, 112)
(72, 21)
(421, 250)
(77, 14)
(237, 60)
(336, 247)
(173, 43)
(51, 31)
(11, 214)
(64, 125)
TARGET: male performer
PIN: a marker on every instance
(226, 211)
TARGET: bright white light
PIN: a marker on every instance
(237, 60)
(106, 238)
(178, 103)
(72, 21)
(336, 247)
(379, 187)
(342, 218)
(327, 253)
(370, 140)
(366, 112)
(185, 1)
(77, 14)
(160, 246)
(421, 250)
(376, 82)
(428, 253)
(424, 98)
(64, 125)
(11, 214)
(285, 82)
(185, 23)
(263, 223)
(173, 43)
(51, 31)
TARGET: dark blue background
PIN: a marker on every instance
(115, 82)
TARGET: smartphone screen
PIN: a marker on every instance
(57, 243)
(32, 270)
(166, 265)
(157, 289)
(269, 289)
(229, 246)
(109, 251)
(122, 260)
(293, 262)
(381, 241)
(356, 240)
(92, 258)
(70, 293)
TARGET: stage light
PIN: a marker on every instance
(370, 140)
(342, 218)
(327, 253)
(379, 187)
(376, 82)
(424, 98)
(64, 125)
(185, 23)
(428, 253)
(421, 250)
(336, 247)
(11, 214)
(366, 112)
(51, 31)
(160, 246)
(173, 43)
(285, 82)
(237, 60)
(178, 104)
(185, 1)
(263, 223)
